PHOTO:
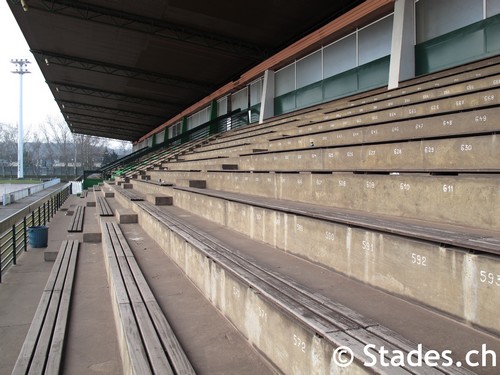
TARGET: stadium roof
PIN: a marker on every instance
(119, 69)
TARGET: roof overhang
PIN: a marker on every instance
(121, 69)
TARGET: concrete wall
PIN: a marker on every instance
(468, 200)
(286, 342)
(446, 278)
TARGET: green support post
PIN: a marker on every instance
(213, 115)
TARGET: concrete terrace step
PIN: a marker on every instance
(365, 247)
(438, 198)
(204, 271)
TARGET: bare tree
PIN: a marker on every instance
(59, 140)
(33, 153)
(8, 149)
(124, 147)
(89, 150)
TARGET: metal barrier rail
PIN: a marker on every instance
(14, 196)
(235, 119)
(13, 239)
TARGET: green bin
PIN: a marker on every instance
(38, 236)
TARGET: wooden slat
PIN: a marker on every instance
(177, 356)
(158, 359)
(76, 224)
(131, 343)
(26, 354)
(103, 207)
(57, 345)
(48, 327)
(148, 332)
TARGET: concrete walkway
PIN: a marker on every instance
(93, 325)
(213, 345)
(11, 209)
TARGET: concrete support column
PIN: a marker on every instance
(402, 64)
(267, 102)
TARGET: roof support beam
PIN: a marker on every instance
(112, 111)
(51, 58)
(103, 121)
(97, 131)
(152, 26)
(129, 133)
(110, 95)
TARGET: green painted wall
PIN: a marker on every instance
(473, 42)
(365, 77)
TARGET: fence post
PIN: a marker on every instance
(14, 255)
(39, 215)
(24, 234)
(44, 213)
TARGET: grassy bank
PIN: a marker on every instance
(17, 181)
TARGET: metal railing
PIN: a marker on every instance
(221, 124)
(13, 238)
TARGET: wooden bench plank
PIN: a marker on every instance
(103, 207)
(133, 351)
(154, 349)
(130, 195)
(177, 356)
(26, 353)
(57, 345)
(76, 224)
(44, 342)
(131, 290)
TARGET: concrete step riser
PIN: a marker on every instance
(448, 279)
(480, 153)
(282, 339)
(462, 200)
(484, 120)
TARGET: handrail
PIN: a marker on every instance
(218, 125)
(13, 229)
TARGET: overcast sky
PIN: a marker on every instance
(38, 101)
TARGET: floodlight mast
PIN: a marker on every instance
(21, 69)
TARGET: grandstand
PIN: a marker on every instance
(334, 209)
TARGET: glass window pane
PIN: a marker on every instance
(256, 92)
(222, 106)
(435, 18)
(375, 40)
(309, 70)
(339, 56)
(492, 7)
(240, 99)
(284, 80)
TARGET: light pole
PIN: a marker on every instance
(21, 69)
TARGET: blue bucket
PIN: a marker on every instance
(38, 236)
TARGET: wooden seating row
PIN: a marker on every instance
(390, 253)
(469, 82)
(43, 348)
(129, 194)
(332, 322)
(148, 344)
(76, 223)
(103, 207)
(432, 119)
(433, 198)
